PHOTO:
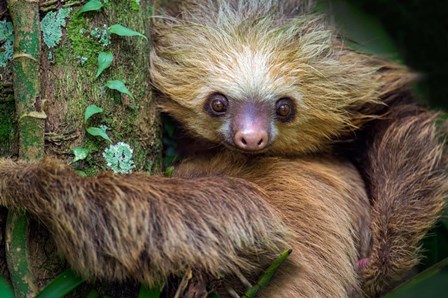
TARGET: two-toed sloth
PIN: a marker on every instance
(277, 95)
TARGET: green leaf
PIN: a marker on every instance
(267, 275)
(169, 172)
(80, 153)
(146, 292)
(81, 173)
(104, 61)
(429, 283)
(92, 5)
(62, 285)
(5, 289)
(90, 111)
(124, 31)
(99, 132)
(119, 86)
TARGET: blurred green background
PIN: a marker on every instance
(419, 30)
(415, 33)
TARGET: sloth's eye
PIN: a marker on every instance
(284, 109)
(217, 104)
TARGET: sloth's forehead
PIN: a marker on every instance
(246, 72)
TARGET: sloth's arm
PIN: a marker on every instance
(408, 179)
(145, 227)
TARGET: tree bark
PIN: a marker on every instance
(25, 17)
(52, 87)
(68, 87)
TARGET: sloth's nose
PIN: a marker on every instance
(251, 140)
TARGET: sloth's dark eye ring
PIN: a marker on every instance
(285, 109)
(217, 104)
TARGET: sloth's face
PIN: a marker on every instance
(284, 86)
(249, 125)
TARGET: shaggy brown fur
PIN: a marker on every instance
(117, 227)
(230, 213)
(148, 228)
(259, 51)
(408, 184)
(304, 190)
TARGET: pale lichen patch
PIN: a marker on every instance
(52, 24)
(6, 42)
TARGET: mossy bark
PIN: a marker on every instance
(52, 89)
(69, 87)
(25, 17)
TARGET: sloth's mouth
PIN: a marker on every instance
(232, 146)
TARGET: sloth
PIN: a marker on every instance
(304, 144)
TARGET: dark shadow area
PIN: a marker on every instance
(419, 30)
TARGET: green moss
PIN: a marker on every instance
(61, 55)
(52, 24)
(78, 89)
(7, 127)
(78, 43)
(26, 89)
(91, 144)
(150, 11)
(134, 5)
(7, 42)
(107, 4)
(31, 135)
(92, 171)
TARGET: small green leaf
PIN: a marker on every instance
(169, 172)
(90, 111)
(92, 5)
(80, 153)
(5, 289)
(62, 285)
(104, 61)
(99, 132)
(119, 86)
(81, 173)
(124, 31)
(267, 275)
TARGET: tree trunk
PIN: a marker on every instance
(68, 86)
(68, 66)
